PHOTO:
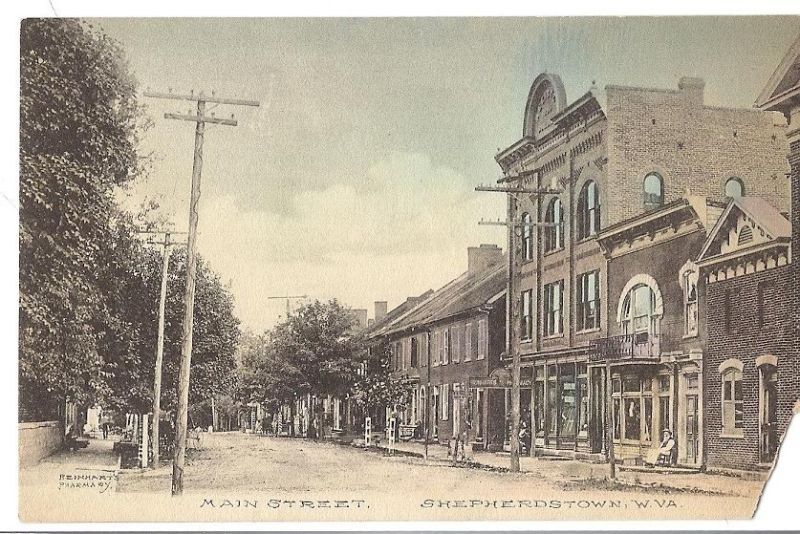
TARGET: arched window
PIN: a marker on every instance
(639, 314)
(527, 236)
(588, 211)
(734, 187)
(554, 229)
(653, 191)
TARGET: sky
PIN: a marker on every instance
(355, 177)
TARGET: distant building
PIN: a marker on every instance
(447, 342)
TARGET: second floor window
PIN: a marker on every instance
(554, 226)
(588, 301)
(553, 300)
(588, 211)
(639, 313)
(526, 317)
(483, 339)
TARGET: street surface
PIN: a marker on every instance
(239, 476)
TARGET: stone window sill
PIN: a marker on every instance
(731, 435)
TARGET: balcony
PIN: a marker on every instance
(637, 346)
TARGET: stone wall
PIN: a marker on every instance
(38, 440)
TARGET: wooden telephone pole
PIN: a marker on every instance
(162, 302)
(200, 119)
(511, 323)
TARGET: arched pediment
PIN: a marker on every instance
(545, 100)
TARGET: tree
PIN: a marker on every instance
(79, 128)
(375, 387)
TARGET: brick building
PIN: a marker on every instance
(580, 170)
(748, 385)
(655, 335)
(444, 342)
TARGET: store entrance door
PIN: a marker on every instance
(692, 429)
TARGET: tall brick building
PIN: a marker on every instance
(594, 169)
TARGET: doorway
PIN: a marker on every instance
(692, 429)
(768, 416)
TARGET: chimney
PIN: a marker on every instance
(692, 89)
(482, 257)
(380, 309)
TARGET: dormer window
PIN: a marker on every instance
(734, 188)
(653, 191)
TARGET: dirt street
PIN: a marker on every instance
(238, 476)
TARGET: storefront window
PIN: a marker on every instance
(615, 411)
(664, 421)
(569, 406)
(538, 407)
(647, 419)
(583, 415)
(632, 418)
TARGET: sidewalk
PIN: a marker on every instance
(93, 468)
(579, 474)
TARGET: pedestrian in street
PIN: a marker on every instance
(104, 427)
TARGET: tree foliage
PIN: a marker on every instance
(89, 288)
(79, 125)
(376, 387)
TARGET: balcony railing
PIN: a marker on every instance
(641, 345)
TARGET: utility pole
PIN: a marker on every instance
(288, 298)
(512, 326)
(160, 344)
(200, 119)
(428, 340)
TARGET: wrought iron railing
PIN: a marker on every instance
(641, 345)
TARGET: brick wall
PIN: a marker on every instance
(794, 162)
(746, 341)
(692, 146)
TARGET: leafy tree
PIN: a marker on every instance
(375, 387)
(319, 348)
(79, 128)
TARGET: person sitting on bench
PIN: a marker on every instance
(663, 454)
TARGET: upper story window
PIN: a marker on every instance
(469, 343)
(653, 191)
(588, 301)
(553, 304)
(554, 229)
(527, 236)
(588, 211)
(734, 187)
(414, 352)
(483, 338)
(688, 278)
(639, 315)
(526, 318)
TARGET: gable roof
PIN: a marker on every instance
(379, 326)
(461, 295)
(768, 219)
(784, 82)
